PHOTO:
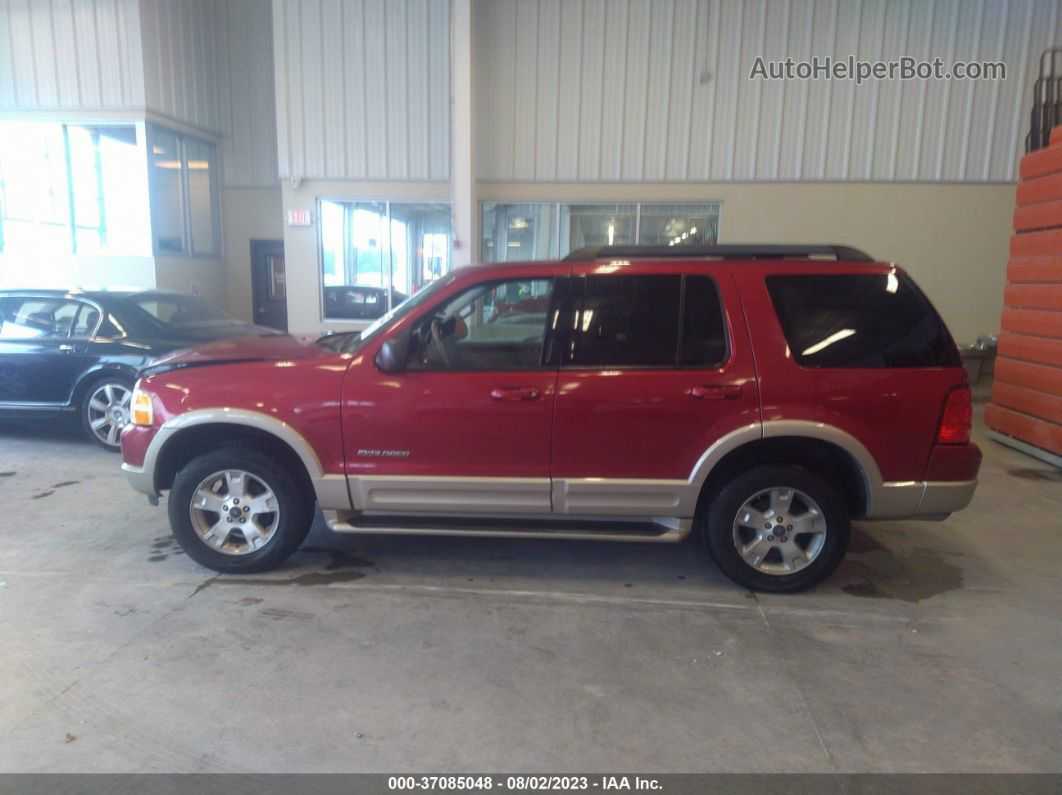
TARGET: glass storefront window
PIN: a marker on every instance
(550, 230)
(200, 160)
(167, 192)
(678, 224)
(374, 255)
(596, 225)
(514, 232)
(69, 188)
(183, 207)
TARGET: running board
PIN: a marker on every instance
(605, 529)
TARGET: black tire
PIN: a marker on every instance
(720, 518)
(294, 509)
(90, 414)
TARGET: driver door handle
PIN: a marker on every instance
(514, 394)
(716, 392)
(66, 348)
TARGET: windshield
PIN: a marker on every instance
(351, 341)
(183, 311)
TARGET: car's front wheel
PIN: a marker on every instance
(105, 411)
(235, 510)
(778, 528)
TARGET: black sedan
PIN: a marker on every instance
(358, 302)
(64, 352)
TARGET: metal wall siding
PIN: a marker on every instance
(363, 89)
(181, 74)
(246, 100)
(76, 54)
(607, 90)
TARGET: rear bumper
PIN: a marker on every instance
(927, 499)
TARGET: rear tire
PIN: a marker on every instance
(779, 529)
(236, 511)
(105, 411)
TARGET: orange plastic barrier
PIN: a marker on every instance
(1027, 395)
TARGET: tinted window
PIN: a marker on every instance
(37, 318)
(703, 330)
(860, 321)
(625, 321)
(494, 326)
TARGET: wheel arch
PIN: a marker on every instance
(189, 434)
(99, 373)
(827, 451)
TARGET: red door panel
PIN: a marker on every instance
(653, 423)
(490, 424)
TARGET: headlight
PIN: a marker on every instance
(142, 413)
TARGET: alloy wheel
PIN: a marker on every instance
(108, 412)
(779, 531)
(234, 512)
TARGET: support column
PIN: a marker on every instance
(462, 131)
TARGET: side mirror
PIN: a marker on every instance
(391, 358)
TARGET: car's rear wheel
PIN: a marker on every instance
(235, 510)
(778, 528)
(105, 411)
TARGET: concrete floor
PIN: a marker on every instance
(937, 646)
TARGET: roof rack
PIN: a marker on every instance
(738, 251)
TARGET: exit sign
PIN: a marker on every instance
(299, 218)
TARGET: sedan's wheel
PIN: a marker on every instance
(105, 412)
(778, 528)
(237, 510)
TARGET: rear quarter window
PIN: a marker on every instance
(860, 320)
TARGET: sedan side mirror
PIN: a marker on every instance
(391, 358)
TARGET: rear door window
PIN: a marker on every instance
(37, 318)
(860, 320)
(649, 321)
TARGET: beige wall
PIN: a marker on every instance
(204, 277)
(76, 270)
(301, 250)
(953, 238)
(246, 214)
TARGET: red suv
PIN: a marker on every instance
(762, 394)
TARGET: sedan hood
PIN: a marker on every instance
(272, 346)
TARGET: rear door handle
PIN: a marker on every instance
(716, 392)
(514, 394)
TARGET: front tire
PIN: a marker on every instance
(105, 411)
(236, 511)
(778, 529)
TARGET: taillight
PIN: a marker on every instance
(957, 418)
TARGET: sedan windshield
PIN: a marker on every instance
(183, 311)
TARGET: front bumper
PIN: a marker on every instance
(140, 479)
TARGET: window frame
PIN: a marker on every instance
(187, 241)
(565, 333)
(385, 249)
(548, 353)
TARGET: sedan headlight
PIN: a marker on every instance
(142, 412)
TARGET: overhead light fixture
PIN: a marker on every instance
(514, 244)
(611, 233)
(892, 283)
(693, 230)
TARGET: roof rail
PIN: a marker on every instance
(733, 251)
